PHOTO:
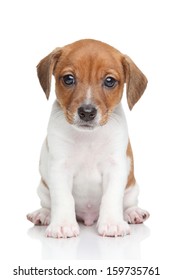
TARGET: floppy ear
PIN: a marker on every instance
(45, 70)
(136, 81)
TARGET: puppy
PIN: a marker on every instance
(86, 163)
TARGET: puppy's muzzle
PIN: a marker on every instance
(87, 113)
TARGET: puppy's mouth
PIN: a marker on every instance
(85, 125)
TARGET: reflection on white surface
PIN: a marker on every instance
(89, 245)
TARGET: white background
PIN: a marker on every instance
(29, 31)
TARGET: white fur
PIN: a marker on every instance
(86, 173)
(88, 96)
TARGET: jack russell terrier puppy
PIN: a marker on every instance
(86, 163)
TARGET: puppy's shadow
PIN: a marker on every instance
(89, 245)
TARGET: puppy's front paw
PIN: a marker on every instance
(62, 231)
(113, 229)
(40, 217)
(136, 215)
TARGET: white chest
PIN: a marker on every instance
(87, 191)
(89, 156)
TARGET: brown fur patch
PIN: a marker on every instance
(135, 80)
(131, 179)
(45, 70)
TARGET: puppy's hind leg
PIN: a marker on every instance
(42, 215)
(132, 213)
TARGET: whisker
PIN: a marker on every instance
(57, 114)
(115, 118)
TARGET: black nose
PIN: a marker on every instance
(87, 112)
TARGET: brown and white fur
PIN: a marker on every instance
(86, 163)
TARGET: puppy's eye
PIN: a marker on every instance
(68, 80)
(110, 82)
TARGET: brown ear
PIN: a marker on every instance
(136, 81)
(45, 69)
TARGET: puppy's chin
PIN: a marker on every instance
(85, 127)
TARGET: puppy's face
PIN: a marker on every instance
(89, 83)
(90, 76)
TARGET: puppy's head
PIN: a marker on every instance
(90, 77)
